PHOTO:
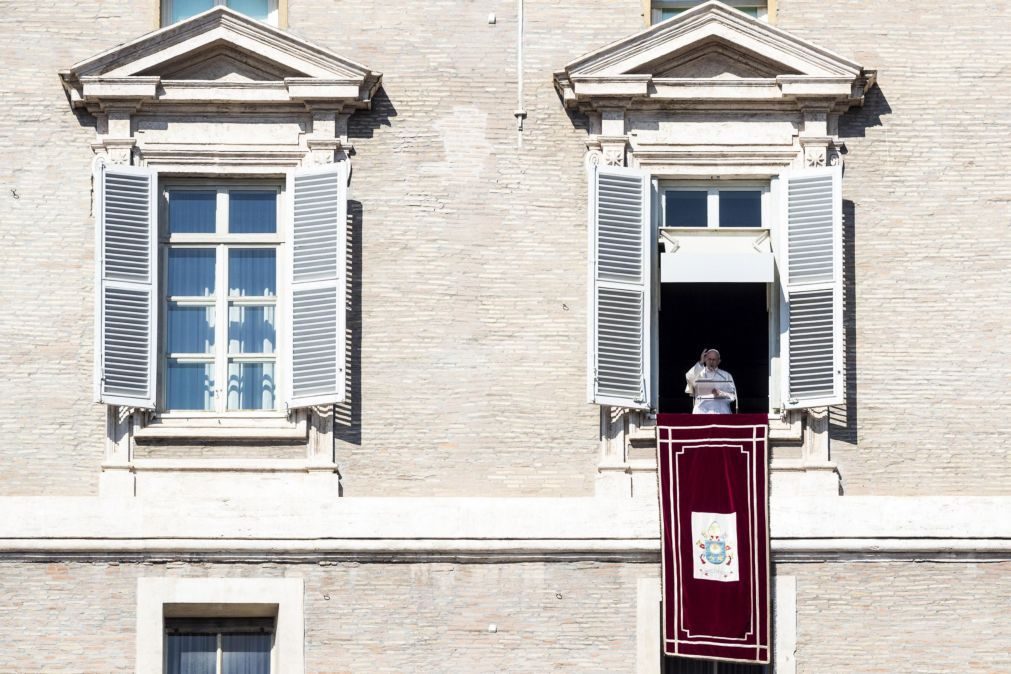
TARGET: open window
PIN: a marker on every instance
(752, 269)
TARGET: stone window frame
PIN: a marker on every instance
(656, 73)
(221, 597)
(176, 71)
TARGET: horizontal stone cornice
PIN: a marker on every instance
(484, 529)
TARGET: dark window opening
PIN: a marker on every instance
(731, 317)
(673, 665)
(685, 208)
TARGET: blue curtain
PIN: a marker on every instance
(252, 211)
(192, 653)
(251, 329)
(245, 653)
(190, 329)
(189, 386)
(250, 386)
(252, 272)
(191, 272)
(191, 211)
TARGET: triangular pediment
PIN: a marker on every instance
(699, 27)
(710, 43)
(223, 63)
(220, 46)
(715, 59)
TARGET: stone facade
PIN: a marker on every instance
(467, 365)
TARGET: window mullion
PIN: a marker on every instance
(221, 331)
(219, 664)
(712, 208)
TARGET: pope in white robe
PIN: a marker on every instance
(711, 388)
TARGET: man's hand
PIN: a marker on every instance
(702, 358)
(717, 393)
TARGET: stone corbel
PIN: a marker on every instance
(816, 139)
(607, 151)
(328, 139)
(115, 133)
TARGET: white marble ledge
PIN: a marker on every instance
(610, 523)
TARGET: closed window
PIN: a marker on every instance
(218, 645)
(173, 11)
(220, 248)
(668, 9)
(725, 205)
(220, 298)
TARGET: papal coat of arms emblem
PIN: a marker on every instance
(715, 550)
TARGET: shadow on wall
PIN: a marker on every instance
(843, 420)
(348, 414)
(854, 124)
(363, 124)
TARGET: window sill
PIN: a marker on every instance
(240, 426)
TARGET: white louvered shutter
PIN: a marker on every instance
(622, 245)
(812, 269)
(127, 261)
(317, 281)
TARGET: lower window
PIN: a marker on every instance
(691, 666)
(218, 646)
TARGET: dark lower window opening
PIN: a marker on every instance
(675, 665)
(731, 317)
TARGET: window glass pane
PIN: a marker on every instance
(254, 8)
(191, 211)
(250, 386)
(190, 329)
(741, 208)
(191, 272)
(245, 653)
(251, 329)
(669, 12)
(685, 209)
(189, 386)
(252, 212)
(192, 653)
(251, 272)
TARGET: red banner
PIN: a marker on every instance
(713, 472)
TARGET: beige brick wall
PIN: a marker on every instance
(360, 618)
(51, 434)
(469, 367)
(473, 361)
(902, 617)
(931, 195)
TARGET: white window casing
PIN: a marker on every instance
(622, 241)
(317, 307)
(810, 248)
(126, 269)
